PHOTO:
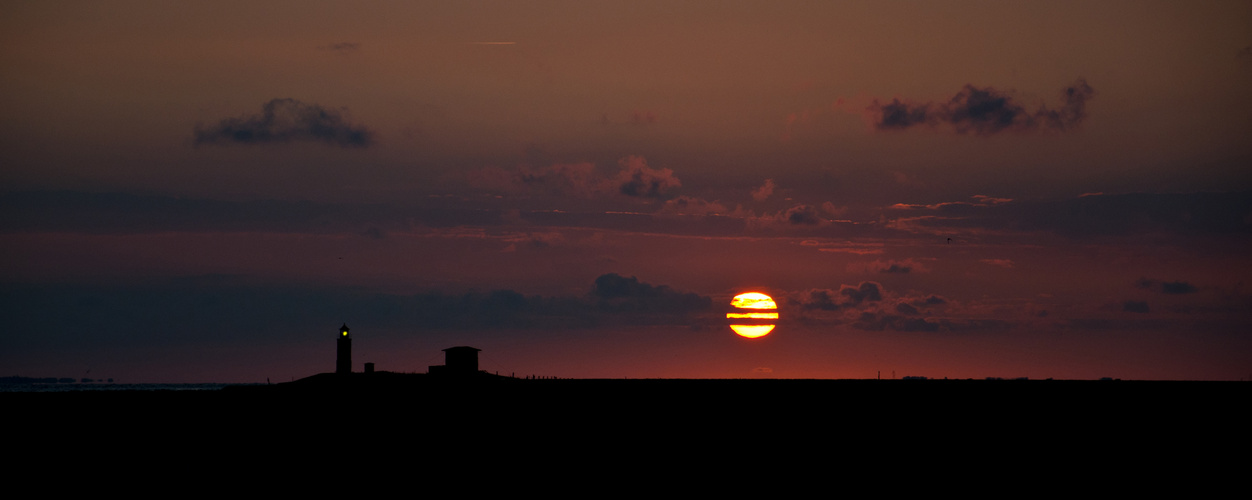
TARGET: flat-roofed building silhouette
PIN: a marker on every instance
(458, 361)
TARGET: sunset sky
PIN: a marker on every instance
(206, 191)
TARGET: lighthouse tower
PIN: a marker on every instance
(343, 361)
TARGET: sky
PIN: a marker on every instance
(205, 192)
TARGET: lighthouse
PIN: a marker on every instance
(343, 360)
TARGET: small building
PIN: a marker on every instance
(458, 361)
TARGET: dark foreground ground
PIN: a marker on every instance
(889, 435)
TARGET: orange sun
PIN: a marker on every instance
(753, 306)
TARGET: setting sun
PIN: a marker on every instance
(752, 331)
(753, 306)
(753, 300)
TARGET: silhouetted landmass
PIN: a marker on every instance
(899, 401)
(15, 379)
(378, 428)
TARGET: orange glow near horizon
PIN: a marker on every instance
(752, 331)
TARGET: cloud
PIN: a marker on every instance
(1177, 288)
(686, 205)
(764, 192)
(1005, 263)
(621, 294)
(823, 300)
(875, 321)
(985, 111)
(833, 210)
(848, 296)
(895, 269)
(215, 310)
(900, 115)
(867, 306)
(867, 291)
(637, 179)
(1167, 287)
(803, 215)
(1135, 306)
(904, 266)
(633, 179)
(287, 120)
(576, 179)
(341, 47)
(980, 201)
(799, 218)
(929, 301)
(906, 308)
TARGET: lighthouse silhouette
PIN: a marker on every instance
(343, 359)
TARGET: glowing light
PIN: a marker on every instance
(773, 315)
(753, 300)
(752, 331)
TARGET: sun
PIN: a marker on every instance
(753, 300)
(759, 311)
(752, 331)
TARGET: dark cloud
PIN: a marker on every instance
(619, 293)
(899, 115)
(821, 300)
(868, 307)
(895, 269)
(637, 179)
(212, 310)
(1177, 287)
(986, 111)
(1135, 306)
(1167, 287)
(96, 213)
(287, 120)
(867, 291)
(123, 213)
(905, 308)
(803, 215)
